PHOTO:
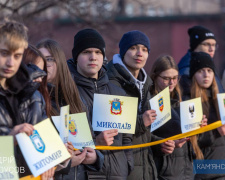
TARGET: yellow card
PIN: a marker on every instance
(79, 130)
(161, 104)
(114, 112)
(8, 169)
(221, 103)
(191, 114)
(64, 123)
(43, 149)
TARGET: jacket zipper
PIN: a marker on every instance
(96, 87)
(75, 172)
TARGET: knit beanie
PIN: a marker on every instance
(132, 38)
(197, 35)
(200, 60)
(87, 38)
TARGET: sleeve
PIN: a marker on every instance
(140, 127)
(36, 111)
(5, 119)
(4, 130)
(127, 141)
(98, 164)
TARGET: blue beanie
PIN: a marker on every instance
(132, 38)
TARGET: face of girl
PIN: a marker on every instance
(166, 78)
(204, 77)
(51, 65)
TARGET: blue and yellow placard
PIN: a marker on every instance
(221, 103)
(79, 130)
(8, 169)
(114, 112)
(64, 123)
(191, 114)
(161, 104)
(43, 149)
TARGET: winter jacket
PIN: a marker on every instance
(184, 68)
(211, 143)
(20, 103)
(78, 172)
(117, 164)
(144, 166)
(178, 165)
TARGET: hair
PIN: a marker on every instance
(63, 79)
(31, 55)
(163, 63)
(198, 91)
(13, 34)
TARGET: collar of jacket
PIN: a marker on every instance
(19, 81)
(21, 84)
(35, 72)
(117, 70)
(89, 82)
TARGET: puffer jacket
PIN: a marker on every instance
(78, 172)
(30, 107)
(117, 164)
(144, 166)
(178, 165)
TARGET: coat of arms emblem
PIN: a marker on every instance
(116, 106)
(72, 127)
(37, 141)
(66, 120)
(191, 110)
(161, 104)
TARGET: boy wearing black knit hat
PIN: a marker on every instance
(90, 77)
(201, 40)
(126, 70)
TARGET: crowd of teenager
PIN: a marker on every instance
(36, 80)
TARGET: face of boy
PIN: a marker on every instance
(136, 57)
(9, 61)
(89, 62)
(207, 46)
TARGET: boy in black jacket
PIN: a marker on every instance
(21, 105)
(90, 77)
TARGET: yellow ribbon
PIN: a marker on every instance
(30, 177)
(178, 136)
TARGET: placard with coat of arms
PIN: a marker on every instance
(79, 130)
(114, 112)
(191, 114)
(43, 149)
(221, 103)
(161, 104)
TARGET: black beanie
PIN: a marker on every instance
(133, 38)
(87, 38)
(200, 60)
(197, 35)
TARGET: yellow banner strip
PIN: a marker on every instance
(31, 177)
(179, 136)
